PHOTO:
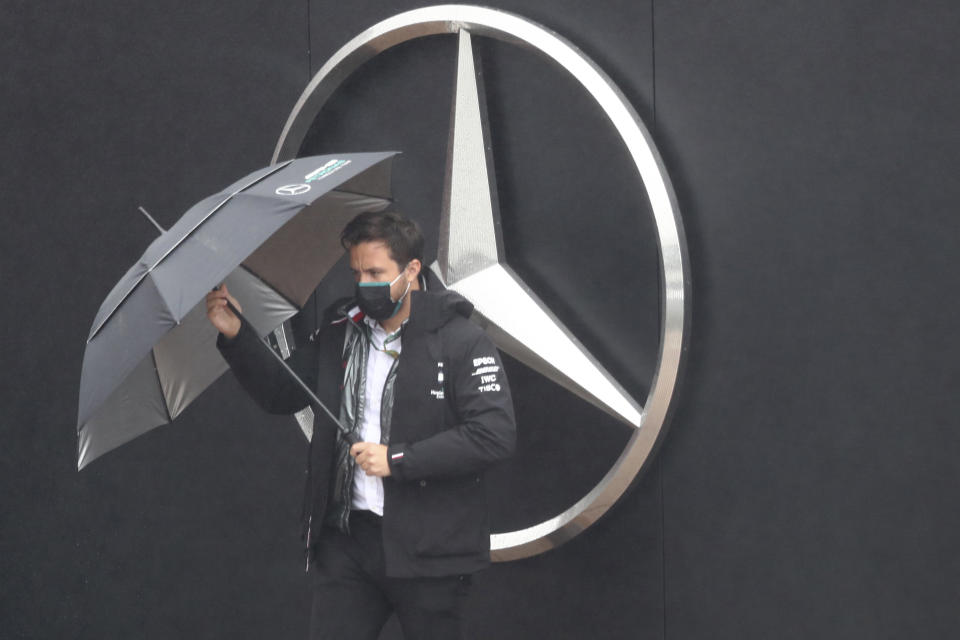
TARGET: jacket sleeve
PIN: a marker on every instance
(262, 376)
(486, 432)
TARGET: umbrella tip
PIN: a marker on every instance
(150, 218)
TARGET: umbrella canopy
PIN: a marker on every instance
(271, 237)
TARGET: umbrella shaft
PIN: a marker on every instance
(314, 400)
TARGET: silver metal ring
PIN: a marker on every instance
(674, 266)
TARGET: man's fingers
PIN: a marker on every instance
(225, 293)
(218, 299)
(233, 301)
(363, 455)
(215, 298)
(218, 305)
(371, 458)
(220, 316)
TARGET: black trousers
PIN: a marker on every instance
(353, 597)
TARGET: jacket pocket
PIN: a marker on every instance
(454, 518)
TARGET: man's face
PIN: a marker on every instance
(371, 262)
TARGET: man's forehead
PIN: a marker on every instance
(371, 253)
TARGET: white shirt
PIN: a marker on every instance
(368, 490)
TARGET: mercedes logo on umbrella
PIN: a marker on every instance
(292, 189)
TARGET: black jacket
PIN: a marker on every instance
(435, 516)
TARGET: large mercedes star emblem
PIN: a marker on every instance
(471, 259)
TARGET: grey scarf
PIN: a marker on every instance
(356, 350)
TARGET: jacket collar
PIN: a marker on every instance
(435, 306)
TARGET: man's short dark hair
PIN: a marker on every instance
(401, 235)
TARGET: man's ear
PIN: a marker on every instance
(413, 268)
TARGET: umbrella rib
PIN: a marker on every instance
(269, 284)
(166, 407)
(362, 195)
(179, 242)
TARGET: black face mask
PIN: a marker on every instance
(374, 299)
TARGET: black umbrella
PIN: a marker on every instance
(271, 237)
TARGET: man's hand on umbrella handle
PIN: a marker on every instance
(220, 315)
(372, 458)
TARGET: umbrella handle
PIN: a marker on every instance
(351, 438)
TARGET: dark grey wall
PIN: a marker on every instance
(810, 478)
(106, 106)
(806, 487)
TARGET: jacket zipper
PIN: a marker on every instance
(306, 553)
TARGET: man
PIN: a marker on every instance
(397, 521)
